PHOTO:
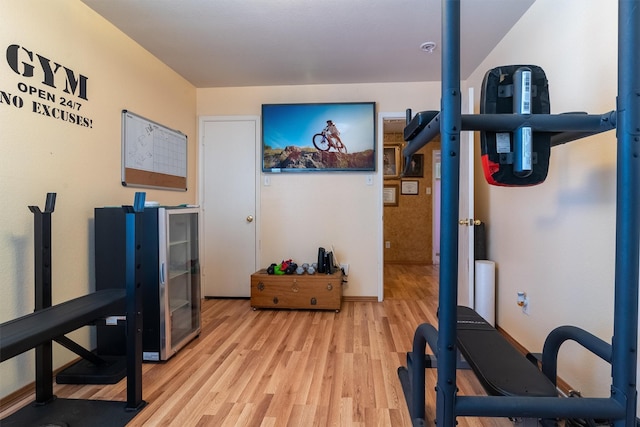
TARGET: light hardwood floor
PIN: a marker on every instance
(292, 368)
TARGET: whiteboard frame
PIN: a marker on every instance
(138, 177)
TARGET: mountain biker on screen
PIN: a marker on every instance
(329, 138)
(332, 131)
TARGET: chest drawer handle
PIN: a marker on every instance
(329, 286)
(275, 300)
(313, 301)
(261, 286)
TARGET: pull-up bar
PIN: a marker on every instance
(565, 127)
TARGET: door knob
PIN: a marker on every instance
(250, 218)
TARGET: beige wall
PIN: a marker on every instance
(555, 241)
(40, 154)
(301, 212)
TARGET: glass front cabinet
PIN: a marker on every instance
(179, 281)
(171, 278)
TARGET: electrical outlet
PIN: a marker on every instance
(387, 244)
(345, 269)
(523, 302)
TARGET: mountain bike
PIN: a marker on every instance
(323, 142)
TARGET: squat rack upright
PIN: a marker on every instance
(621, 405)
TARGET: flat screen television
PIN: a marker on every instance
(319, 137)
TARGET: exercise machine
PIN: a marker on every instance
(50, 323)
(448, 341)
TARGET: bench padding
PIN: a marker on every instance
(501, 369)
(26, 332)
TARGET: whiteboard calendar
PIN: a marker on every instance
(152, 155)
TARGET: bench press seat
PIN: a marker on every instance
(501, 369)
(27, 332)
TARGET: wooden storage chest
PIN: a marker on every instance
(302, 291)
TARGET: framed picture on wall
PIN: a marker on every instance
(409, 187)
(391, 166)
(416, 166)
(390, 194)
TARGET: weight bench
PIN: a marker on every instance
(501, 369)
(27, 332)
(50, 323)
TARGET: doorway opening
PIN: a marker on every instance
(409, 198)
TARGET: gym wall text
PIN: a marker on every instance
(52, 90)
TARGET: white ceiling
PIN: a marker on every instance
(226, 43)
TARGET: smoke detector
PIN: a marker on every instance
(428, 47)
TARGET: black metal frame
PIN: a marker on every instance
(134, 227)
(43, 294)
(622, 352)
(45, 399)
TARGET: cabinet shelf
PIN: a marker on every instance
(177, 304)
(177, 273)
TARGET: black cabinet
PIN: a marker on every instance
(170, 283)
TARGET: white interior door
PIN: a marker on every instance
(228, 196)
(466, 262)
